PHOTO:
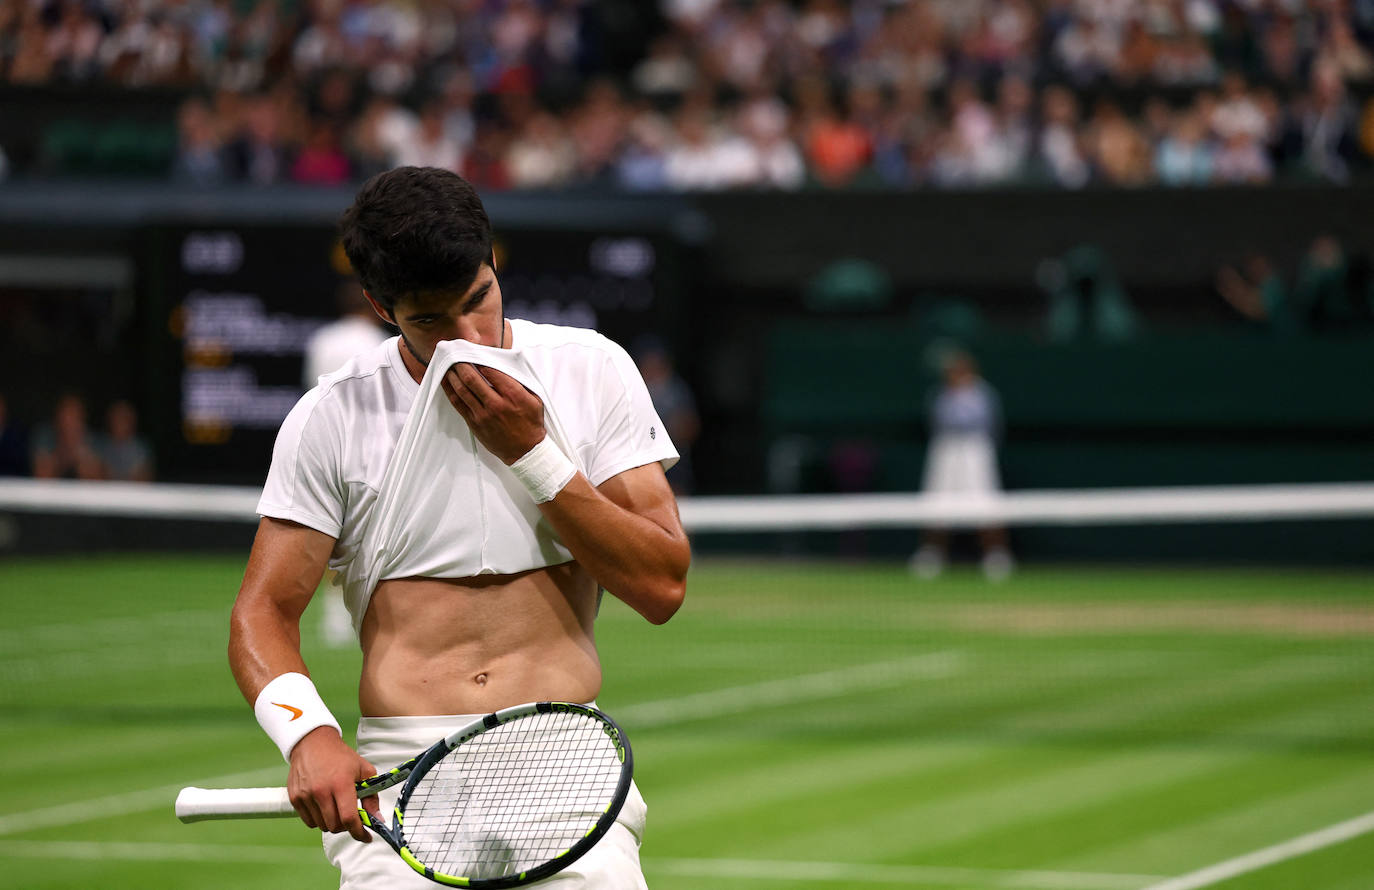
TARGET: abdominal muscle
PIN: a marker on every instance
(473, 645)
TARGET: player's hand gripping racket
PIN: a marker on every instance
(508, 799)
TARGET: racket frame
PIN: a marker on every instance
(413, 770)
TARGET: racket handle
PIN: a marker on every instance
(199, 804)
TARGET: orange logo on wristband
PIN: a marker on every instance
(295, 712)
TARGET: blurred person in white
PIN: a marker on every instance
(703, 158)
(667, 70)
(1060, 145)
(1086, 51)
(382, 133)
(74, 41)
(1005, 156)
(775, 158)
(973, 126)
(1237, 112)
(541, 155)
(429, 145)
(322, 43)
(738, 45)
(354, 332)
(961, 462)
(125, 454)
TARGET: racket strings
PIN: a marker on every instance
(513, 797)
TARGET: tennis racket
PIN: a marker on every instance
(510, 798)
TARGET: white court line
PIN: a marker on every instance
(907, 875)
(122, 804)
(850, 873)
(150, 852)
(738, 699)
(732, 699)
(1262, 858)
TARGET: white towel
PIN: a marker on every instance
(448, 507)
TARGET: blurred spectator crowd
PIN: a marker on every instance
(717, 94)
(66, 447)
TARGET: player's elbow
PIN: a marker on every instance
(664, 599)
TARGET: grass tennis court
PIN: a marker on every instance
(797, 725)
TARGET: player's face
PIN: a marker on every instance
(476, 316)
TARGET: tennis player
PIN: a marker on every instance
(543, 483)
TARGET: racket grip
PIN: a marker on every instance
(199, 804)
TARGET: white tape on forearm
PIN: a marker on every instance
(288, 708)
(544, 470)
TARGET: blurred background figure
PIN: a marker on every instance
(65, 448)
(1257, 292)
(675, 404)
(965, 423)
(125, 454)
(14, 448)
(1086, 299)
(357, 329)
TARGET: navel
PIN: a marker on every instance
(480, 679)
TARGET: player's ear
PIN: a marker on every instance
(383, 313)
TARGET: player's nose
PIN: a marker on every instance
(468, 330)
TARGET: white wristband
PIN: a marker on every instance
(544, 470)
(289, 707)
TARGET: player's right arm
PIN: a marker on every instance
(284, 569)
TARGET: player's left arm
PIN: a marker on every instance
(628, 535)
(625, 532)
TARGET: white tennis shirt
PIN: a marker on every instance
(466, 515)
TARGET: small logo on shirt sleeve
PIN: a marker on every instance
(653, 432)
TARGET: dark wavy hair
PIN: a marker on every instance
(416, 230)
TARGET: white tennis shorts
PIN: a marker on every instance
(613, 864)
(962, 463)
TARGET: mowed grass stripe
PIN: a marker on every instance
(916, 826)
(768, 872)
(1076, 833)
(897, 819)
(1322, 795)
(1206, 690)
(726, 781)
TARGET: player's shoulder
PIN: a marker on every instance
(566, 340)
(364, 379)
(364, 366)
